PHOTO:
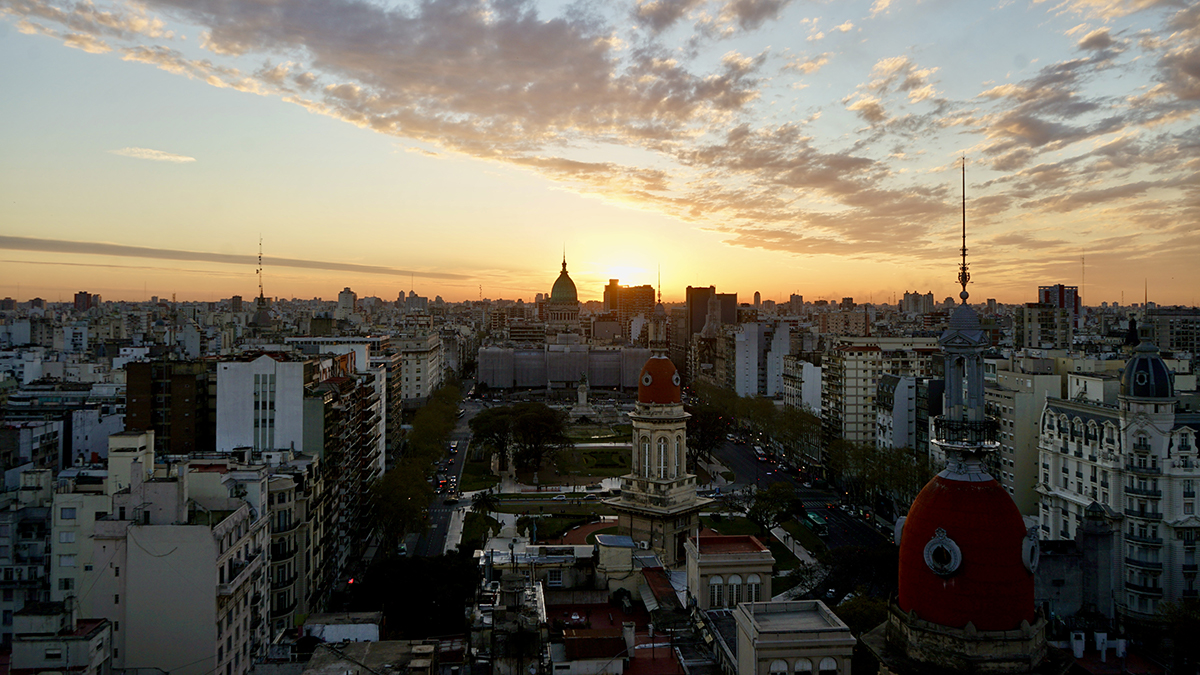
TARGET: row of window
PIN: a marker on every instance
(731, 593)
(826, 666)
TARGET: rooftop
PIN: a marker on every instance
(738, 543)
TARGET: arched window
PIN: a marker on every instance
(754, 589)
(715, 597)
(779, 667)
(803, 667)
(828, 666)
(646, 456)
(680, 469)
(735, 590)
(662, 458)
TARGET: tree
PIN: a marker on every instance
(492, 428)
(485, 502)
(706, 429)
(771, 507)
(538, 433)
(1182, 623)
(401, 499)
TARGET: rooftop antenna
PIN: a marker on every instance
(660, 283)
(260, 268)
(963, 275)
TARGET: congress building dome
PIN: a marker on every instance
(564, 289)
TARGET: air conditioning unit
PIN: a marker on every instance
(644, 545)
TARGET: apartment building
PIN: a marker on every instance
(850, 375)
(1136, 457)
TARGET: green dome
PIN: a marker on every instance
(564, 288)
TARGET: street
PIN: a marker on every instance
(844, 528)
(433, 541)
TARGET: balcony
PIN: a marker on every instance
(1189, 494)
(1143, 470)
(962, 431)
(1143, 564)
(1145, 492)
(1148, 515)
(1189, 567)
(288, 527)
(241, 572)
(1191, 593)
(286, 582)
(281, 554)
(1146, 590)
(284, 610)
(1156, 541)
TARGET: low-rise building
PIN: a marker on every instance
(724, 571)
(799, 637)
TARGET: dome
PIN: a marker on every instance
(564, 289)
(1146, 375)
(965, 557)
(659, 382)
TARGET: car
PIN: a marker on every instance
(808, 485)
(560, 498)
(830, 593)
(591, 498)
(451, 460)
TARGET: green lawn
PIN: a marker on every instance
(553, 527)
(553, 508)
(475, 529)
(588, 463)
(811, 542)
(477, 475)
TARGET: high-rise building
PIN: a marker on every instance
(171, 398)
(1063, 297)
(1043, 326)
(850, 376)
(1175, 329)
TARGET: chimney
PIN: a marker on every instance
(628, 634)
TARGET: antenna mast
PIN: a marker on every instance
(259, 270)
(963, 275)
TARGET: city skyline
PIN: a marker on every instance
(755, 145)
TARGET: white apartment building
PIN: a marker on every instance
(422, 371)
(193, 556)
(850, 376)
(801, 384)
(1016, 400)
(1136, 457)
(260, 403)
(896, 412)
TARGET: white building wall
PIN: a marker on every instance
(235, 404)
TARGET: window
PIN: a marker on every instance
(778, 667)
(828, 666)
(646, 456)
(66, 561)
(54, 654)
(66, 584)
(753, 588)
(67, 513)
(735, 590)
(715, 585)
(680, 468)
(117, 599)
(803, 667)
(66, 537)
(554, 578)
(662, 458)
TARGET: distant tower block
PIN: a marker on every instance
(658, 503)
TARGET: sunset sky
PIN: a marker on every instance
(458, 147)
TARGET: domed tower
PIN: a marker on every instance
(967, 560)
(658, 503)
(563, 307)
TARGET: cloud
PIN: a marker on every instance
(752, 14)
(154, 155)
(880, 6)
(659, 15)
(810, 65)
(121, 250)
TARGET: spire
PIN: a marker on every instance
(963, 275)
(660, 283)
(259, 270)
(564, 258)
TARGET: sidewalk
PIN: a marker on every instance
(794, 546)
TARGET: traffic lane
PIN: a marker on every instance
(433, 540)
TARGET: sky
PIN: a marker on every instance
(459, 148)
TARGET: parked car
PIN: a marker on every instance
(560, 498)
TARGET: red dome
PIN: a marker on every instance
(659, 382)
(984, 579)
